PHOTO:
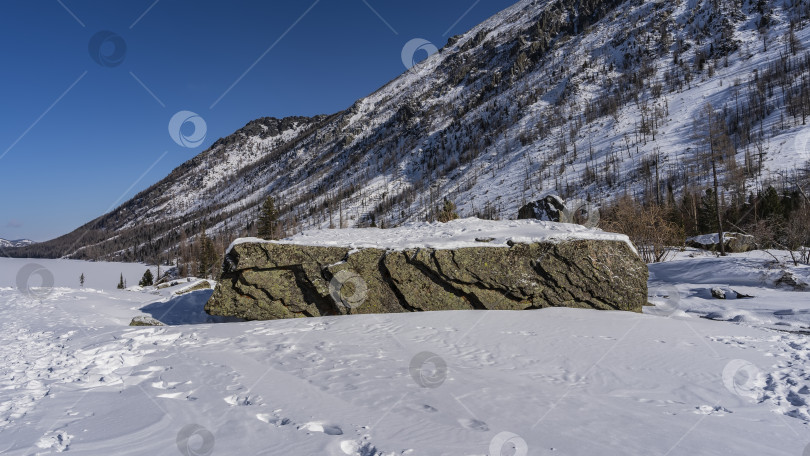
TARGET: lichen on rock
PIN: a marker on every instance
(265, 281)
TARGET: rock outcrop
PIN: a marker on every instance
(550, 208)
(263, 280)
(734, 242)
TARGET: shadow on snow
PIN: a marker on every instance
(186, 309)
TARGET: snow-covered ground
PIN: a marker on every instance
(682, 287)
(74, 377)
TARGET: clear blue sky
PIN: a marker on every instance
(75, 135)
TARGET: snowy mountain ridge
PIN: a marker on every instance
(4, 243)
(582, 98)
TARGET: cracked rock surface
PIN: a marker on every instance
(267, 281)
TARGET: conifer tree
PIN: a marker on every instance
(770, 205)
(208, 255)
(447, 212)
(147, 280)
(268, 220)
(81, 280)
(121, 285)
(707, 213)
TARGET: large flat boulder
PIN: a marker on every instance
(461, 265)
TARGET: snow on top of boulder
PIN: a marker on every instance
(468, 232)
(711, 238)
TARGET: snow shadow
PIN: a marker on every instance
(185, 309)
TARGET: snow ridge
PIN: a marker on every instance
(469, 232)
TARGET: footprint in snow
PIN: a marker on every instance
(359, 448)
(709, 410)
(273, 419)
(321, 426)
(242, 400)
(58, 441)
(795, 400)
(474, 425)
(519, 333)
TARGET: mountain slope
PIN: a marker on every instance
(584, 98)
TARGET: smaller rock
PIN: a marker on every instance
(203, 285)
(741, 243)
(488, 239)
(718, 293)
(143, 320)
(549, 209)
(734, 242)
(790, 279)
(741, 295)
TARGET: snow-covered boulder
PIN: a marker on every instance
(718, 293)
(425, 267)
(143, 320)
(734, 242)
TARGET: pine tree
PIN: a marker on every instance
(147, 280)
(121, 284)
(81, 280)
(707, 213)
(447, 212)
(208, 255)
(268, 220)
(770, 205)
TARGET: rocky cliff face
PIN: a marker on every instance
(264, 281)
